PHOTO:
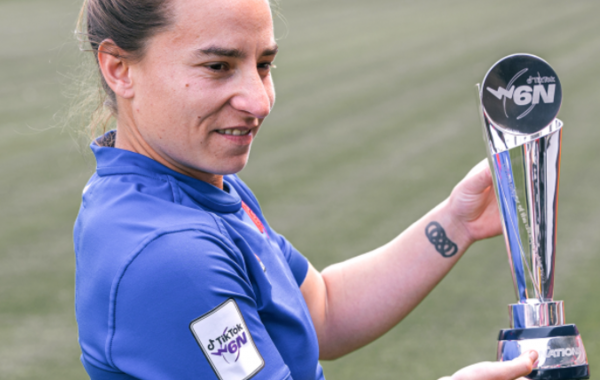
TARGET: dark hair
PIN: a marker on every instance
(129, 24)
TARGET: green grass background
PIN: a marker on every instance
(375, 122)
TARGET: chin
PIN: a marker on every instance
(232, 167)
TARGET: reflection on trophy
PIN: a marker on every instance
(520, 98)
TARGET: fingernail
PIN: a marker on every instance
(533, 355)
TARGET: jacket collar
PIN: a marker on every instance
(115, 161)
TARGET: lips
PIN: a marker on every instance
(239, 136)
(234, 132)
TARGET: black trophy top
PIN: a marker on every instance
(521, 94)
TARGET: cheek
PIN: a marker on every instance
(158, 114)
(166, 100)
(204, 100)
(152, 97)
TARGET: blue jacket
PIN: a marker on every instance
(177, 279)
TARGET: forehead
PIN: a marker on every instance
(228, 21)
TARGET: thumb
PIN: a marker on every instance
(520, 366)
(509, 370)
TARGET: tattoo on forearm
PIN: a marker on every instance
(437, 236)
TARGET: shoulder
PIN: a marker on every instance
(185, 249)
(176, 267)
(121, 214)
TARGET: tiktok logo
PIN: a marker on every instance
(236, 341)
(227, 343)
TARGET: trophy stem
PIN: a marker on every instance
(525, 173)
(510, 207)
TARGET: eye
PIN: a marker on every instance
(266, 66)
(218, 66)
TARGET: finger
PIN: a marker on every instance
(478, 179)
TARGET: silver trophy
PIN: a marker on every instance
(520, 99)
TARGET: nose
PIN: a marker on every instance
(255, 94)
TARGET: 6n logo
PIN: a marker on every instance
(522, 95)
(526, 94)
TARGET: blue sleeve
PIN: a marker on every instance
(297, 262)
(185, 309)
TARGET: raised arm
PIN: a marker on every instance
(354, 302)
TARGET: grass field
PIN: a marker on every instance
(375, 122)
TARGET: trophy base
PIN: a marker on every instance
(568, 373)
(560, 349)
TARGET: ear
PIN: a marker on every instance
(115, 68)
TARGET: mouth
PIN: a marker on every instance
(234, 131)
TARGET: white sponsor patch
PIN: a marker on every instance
(226, 341)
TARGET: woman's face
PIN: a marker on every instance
(204, 86)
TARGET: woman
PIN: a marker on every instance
(178, 274)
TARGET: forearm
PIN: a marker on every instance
(369, 294)
(355, 302)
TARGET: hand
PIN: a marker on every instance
(510, 370)
(473, 204)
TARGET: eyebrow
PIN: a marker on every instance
(233, 53)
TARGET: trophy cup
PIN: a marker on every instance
(519, 100)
